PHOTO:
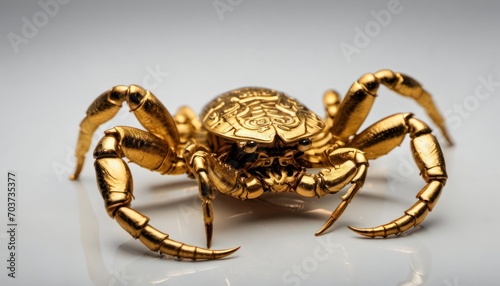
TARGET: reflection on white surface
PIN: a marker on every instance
(420, 260)
(133, 264)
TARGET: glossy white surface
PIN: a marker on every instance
(187, 54)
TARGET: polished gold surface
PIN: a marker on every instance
(255, 140)
(260, 114)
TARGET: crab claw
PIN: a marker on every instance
(412, 217)
(180, 250)
(215, 254)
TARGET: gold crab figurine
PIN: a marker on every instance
(254, 140)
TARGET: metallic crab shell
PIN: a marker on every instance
(260, 114)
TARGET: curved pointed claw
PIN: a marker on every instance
(368, 232)
(357, 183)
(156, 240)
(412, 217)
(181, 250)
(381, 230)
(214, 254)
(136, 224)
(333, 218)
(326, 226)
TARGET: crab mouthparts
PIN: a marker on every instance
(279, 179)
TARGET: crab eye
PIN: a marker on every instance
(304, 145)
(250, 147)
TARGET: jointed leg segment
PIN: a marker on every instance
(154, 149)
(115, 183)
(212, 176)
(359, 100)
(147, 108)
(381, 138)
(347, 165)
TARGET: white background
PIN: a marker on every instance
(55, 58)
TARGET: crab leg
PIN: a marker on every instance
(212, 175)
(150, 112)
(359, 100)
(115, 183)
(320, 142)
(349, 165)
(381, 138)
(331, 101)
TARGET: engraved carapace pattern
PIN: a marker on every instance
(260, 114)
